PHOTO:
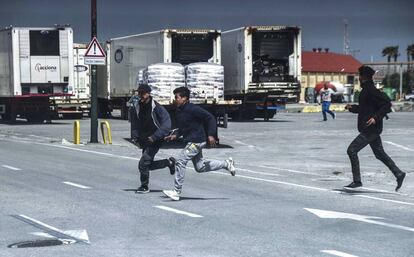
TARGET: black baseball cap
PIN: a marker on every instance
(144, 88)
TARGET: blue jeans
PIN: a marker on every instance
(325, 109)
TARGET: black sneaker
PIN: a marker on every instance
(354, 185)
(172, 165)
(142, 190)
(400, 180)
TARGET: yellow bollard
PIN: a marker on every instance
(108, 128)
(76, 132)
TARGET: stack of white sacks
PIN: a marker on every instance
(205, 80)
(163, 78)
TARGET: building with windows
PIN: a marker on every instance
(319, 66)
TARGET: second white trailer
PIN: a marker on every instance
(127, 55)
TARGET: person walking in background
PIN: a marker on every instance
(152, 123)
(325, 97)
(191, 121)
(372, 108)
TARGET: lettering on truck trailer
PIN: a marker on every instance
(39, 67)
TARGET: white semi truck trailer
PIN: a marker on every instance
(78, 104)
(127, 55)
(35, 64)
(262, 68)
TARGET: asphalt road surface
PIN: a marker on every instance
(287, 198)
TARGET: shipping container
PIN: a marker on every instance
(126, 56)
(35, 63)
(78, 103)
(262, 68)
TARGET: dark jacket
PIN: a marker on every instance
(372, 104)
(160, 117)
(192, 120)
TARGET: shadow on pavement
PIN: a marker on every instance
(257, 121)
(195, 198)
(135, 190)
(177, 145)
(26, 123)
(360, 191)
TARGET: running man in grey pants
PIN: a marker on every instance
(191, 120)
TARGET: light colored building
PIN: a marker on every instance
(324, 66)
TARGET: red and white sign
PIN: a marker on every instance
(95, 55)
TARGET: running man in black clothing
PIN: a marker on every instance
(373, 107)
(152, 123)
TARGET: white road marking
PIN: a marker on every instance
(399, 146)
(76, 185)
(192, 215)
(90, 151)
(241, 143)
(323, 214)
(258, 172)
(10, 167)
(55, 232)
(385, 200)
(274, 181)
(290, 170)
(338, 253)
(220, 173)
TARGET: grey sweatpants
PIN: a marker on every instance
(194, 152)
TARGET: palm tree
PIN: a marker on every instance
(387, 51)
(410, 55)
(395, 54)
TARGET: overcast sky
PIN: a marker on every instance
(372, 24)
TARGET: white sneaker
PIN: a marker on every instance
(230, 166)
(174, 195)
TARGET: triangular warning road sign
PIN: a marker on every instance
(94, 49)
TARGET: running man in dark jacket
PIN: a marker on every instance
(191, 121)
(373, 107)
(151, 124)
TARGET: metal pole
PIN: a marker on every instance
(401, 82)
(94, 93)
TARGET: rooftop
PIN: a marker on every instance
(325, 61)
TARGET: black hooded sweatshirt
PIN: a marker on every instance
(372, 104)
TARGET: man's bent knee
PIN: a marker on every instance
(200, 169)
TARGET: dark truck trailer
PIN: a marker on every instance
(35, 65)
(262, 66)
(33, 108)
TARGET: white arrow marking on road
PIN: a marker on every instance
(338, 253)
(75, 185)
(68, 237)
(343, 215)
(192, 215)
(10, 167)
